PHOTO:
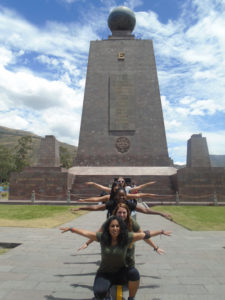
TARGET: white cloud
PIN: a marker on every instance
(13, 119)
(47, 99)
(5, 56)
(216, 141)
(25, 89)
(42, 70)
(132, 4)
(55, 38)
(191, 68)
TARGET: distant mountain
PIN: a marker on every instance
(9, 138)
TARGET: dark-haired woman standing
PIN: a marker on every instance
(114, 240)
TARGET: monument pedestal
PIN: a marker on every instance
(48, 180)
(105, 175)
(47, 183)
(201, 184)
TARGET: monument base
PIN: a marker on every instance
(201, 184)
(105, 175)
(48, 183)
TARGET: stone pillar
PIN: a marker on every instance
(197, 152)
(49, 152)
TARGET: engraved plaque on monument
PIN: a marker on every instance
(121, 103)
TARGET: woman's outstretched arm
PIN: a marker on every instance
(89, 207)
(141, 186)
(99, 186)
(95, 199)
(86, 244)
(160, 232)
(147, 210)
(141, 195)
(83, 232)
(155, 233)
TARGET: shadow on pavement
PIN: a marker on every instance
(84, 274)
(57, 298)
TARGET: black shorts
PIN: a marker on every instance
(103, 281)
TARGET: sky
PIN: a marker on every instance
(44, 47)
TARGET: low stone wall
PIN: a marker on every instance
(49, 183)
(201, 184)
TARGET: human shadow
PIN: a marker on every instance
(85, 254)
(139, 264)
(151, 286)
(84, 274)
(50, 297)
(153, 277)
(85, 286)
(83, 263)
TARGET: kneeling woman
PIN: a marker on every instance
(114, 240)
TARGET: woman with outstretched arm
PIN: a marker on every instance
(122, 211)
(121, 197)
(114, 240)
(122, 182)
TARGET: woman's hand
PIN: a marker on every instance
(64, 229)
(160, 251)
(84, 246)
(168, 217)
(81, 200)
(74, 210)
(168, 233)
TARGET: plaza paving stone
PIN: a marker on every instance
(47, 265)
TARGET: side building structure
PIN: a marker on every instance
(199, 181)
(45, 181)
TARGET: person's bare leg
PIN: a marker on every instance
(133, 287)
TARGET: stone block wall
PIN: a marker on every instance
(49, 152)
(163, 186)
(200, 183)
(48, 184)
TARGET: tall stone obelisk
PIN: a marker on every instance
(122, 120)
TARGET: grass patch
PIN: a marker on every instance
(2, 251)
(199, 218)
(39, 216)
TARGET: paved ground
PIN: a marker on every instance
(47, 266)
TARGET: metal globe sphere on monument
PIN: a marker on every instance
(121, 18)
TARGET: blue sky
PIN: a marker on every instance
(44, 48)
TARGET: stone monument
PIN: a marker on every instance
(122, 120)
(47, 180)
(122, 128)
(198, 181)
(197, 152)
(48, 155)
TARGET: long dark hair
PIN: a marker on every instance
(122, 238)
(113, 193)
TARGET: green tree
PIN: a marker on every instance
(22, 152)
(7, 163)
(66, 159)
